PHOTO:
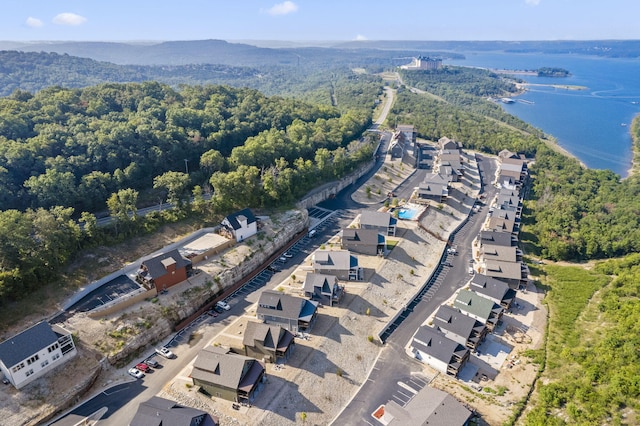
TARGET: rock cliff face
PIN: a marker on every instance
(124, 334)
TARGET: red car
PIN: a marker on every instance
(143, 367)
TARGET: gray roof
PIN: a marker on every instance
(508, 270)
(430, 406)
(435, 178)
(468, 301)
(325, 282)
(375, 218)
(279, 304)
(156, 266)
(332, 259)
(220, 367)
(497, 238)
(363, 236)
(270, 336)
(489, 286)
(233, 218)
(433, 342)
(163, 412)
(497, 252)
(451, 319)
(502, 225)
(26, 343)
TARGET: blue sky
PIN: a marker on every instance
(319, 19)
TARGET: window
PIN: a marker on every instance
(53, 347)
(18, 367)
(55, 356)
(44, 363)
(28, 373)
(33, 359)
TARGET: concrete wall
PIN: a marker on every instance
(212, 251)
(331, 189)
(122, 303)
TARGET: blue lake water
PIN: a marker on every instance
(592, 124)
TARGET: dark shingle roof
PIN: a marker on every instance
(270, 336)
(160, 411)
(156, 266)
(497, 238)
(279, 304)
(451, 319)
(363, 236)
(233, 218)
(218, 366)
(24, 344)
(435, 343)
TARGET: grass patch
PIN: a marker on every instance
(391, 244)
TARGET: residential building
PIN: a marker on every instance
(438, 351)
(292, 313)
(446, 144)
(497, 238)
(430, 406)
(241, 225)
(326, 289)
(381, 221)
(499, 224)
(408, 132)
(501, 253)
(222, 374)
(158, 411)
(340, 263)
(423, 63)
(270, 343)
(459, 327)
(484, 310)
(434, 187)
(515, 274)
(493, 289)
(34, 352)
(164, 271)
(363, 241)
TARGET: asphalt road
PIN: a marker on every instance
(394, 365)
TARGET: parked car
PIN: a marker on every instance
(312, 233)
(136, 373)
(151, 362)
(273, 268)
(452, 250)
(218, 309)
(288, 255)
(212, 313)
(165, 352)
(143, 367)
(224, 305)
(282, 259)
(470, 270)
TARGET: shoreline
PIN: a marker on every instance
(634, 130)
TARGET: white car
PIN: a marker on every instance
(224, 305)
(136, 373)
(165, 352)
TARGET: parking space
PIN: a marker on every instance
(112, 290)
(406, 389)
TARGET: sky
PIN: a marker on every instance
(317, 20)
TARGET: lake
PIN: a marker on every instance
(592, 124)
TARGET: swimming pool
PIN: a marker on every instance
(407, 214)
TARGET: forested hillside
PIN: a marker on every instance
(67, 153)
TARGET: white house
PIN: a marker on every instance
(34, 352)
(241, 224)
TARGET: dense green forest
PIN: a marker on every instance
(67, 153)
(335, 85)
(592, 371)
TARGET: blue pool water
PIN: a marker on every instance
(407, 214)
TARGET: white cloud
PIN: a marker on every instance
(34, 22)
(69, 18)
(360, 37)
(532, 2)
(283, 8)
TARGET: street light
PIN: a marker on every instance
(186, 165)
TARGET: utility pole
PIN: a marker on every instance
(186, 165)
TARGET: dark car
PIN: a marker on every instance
(151, 362)
(218, 309)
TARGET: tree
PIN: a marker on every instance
(176, 184)
(122, 207)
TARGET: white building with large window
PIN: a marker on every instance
(34, 352)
